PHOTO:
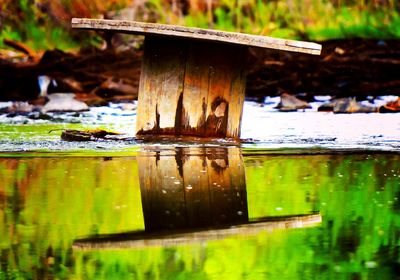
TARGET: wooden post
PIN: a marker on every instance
(191, 88)
(196, 187)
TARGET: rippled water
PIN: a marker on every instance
(316, 197)
(270, 128)
(325, 216)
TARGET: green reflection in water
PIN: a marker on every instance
(46, 203)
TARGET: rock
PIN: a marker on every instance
(391, 107)
(350, 105)
(346, 106)
(18, 107)
(64, 102)
(290, 103)
(40, 116)
(128, 106)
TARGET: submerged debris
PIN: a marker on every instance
(86, 135)
(17, 107)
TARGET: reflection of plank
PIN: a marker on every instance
(141, 239)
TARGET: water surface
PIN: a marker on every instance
(315, 197)
(271, 129)
(49, 201)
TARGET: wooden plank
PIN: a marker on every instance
(142, 239)
(226, 91)
(237, 95)
(161, 85)
(142, 28)
(194, 103)
(147, 119)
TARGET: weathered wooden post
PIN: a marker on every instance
(192, 80)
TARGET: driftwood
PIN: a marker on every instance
(87, 135)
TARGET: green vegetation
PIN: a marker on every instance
(45, 203)
(44, 24)
(302, 19)
(23, 22)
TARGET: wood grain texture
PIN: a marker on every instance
(193, 80)
(191, 88)
(226, 90)
(161, 85)
(196, 86)
(142, 28)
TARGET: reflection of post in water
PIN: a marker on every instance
(193, 195)
(193, 187)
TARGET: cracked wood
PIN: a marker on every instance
(191, 88)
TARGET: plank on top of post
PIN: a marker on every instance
(142, 28)
(193, 80)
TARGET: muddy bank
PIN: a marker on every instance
(96, 76)
(346, 68)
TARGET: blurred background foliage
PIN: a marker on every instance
(44, 24)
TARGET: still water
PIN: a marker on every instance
(200, 213)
